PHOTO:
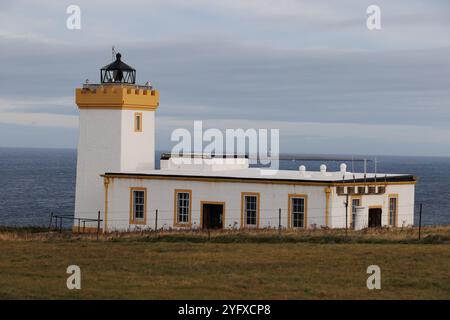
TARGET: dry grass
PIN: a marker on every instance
(384, 235)
(440, 234)
(311, 264)
(163, 270)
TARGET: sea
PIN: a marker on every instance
(35, 182)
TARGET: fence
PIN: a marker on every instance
(81, 222)
(163, 220)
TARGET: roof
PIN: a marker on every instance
(258, 174)
(192, 155)
(118, 65)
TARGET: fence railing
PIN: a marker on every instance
(276, 222)
(57, 219)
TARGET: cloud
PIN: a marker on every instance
(38, 104)
(57, 112)
(330, 138)
(233, 79)
(287, 61)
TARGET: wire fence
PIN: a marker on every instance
(234, 219)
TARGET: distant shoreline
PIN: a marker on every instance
(284, 156)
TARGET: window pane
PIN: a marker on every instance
(392, 211)
(355, 203)
(298, 212)
(139, 204)
(183, 207)
(138, 122)
(250, 210)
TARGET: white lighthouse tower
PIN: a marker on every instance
(116, 134)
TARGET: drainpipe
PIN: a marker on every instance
(105, 222)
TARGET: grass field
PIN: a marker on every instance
(180, 267)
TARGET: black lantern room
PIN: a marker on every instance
(118, 72)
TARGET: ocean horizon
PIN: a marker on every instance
(37, 181)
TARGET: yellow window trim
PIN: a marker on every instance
(293, 196)
(212, 202)
(132, 219)
(175, 207)
(243, 221)
(138, 118)
(392, 196)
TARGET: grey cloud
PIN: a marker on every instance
(223, 60)
(231, 79)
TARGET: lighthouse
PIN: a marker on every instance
(116, 133)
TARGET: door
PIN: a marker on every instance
(212, 216)
(375, 217)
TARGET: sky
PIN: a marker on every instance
(311, 69)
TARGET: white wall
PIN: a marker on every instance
(108, 143)
(405, 200)
(98, 147)
(160, 195)
(138, 148)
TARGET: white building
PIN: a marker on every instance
(116, 175)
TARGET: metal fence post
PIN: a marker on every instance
(279, 221)
(98, 223)
(50, 224)
(346, 213)
(156, 220)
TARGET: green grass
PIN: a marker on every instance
(127, 267)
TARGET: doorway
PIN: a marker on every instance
(212, 215)
(375, 217)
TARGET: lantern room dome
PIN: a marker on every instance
(118, 72)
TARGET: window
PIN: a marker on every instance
(183, 207)
(138, 122)
(250, 212)
(297, 211)
(138, 214)
(393, 208)
(356, 202)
